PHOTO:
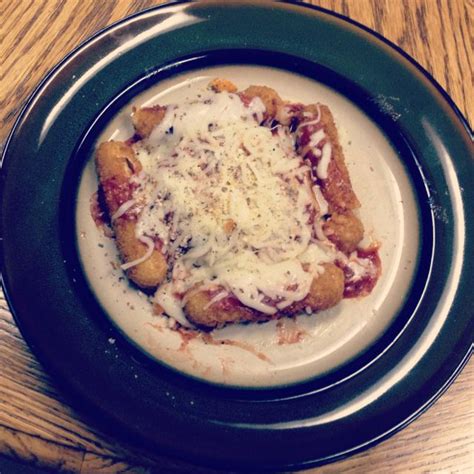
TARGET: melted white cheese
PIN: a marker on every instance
(322, 168)
(231, 202)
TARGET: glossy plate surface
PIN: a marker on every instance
(324, 417)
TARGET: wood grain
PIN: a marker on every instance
(37, 425)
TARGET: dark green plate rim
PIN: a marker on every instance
(289, 427)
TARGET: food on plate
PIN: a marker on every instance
(236, 206)
(116, 165)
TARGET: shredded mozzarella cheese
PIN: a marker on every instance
(322, 168)
(123, 209)
(323, 204)
(311, 122)
(210, 163)
(215, 299)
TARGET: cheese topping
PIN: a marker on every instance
(322, 168)
(232, 203)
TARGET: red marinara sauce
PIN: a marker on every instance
(117, 191)
(133, 139)
(98, 213)
(364, 285)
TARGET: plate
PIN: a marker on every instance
(289, 350)
(318, 416)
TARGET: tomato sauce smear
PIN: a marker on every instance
(99, 214)
(363, 286)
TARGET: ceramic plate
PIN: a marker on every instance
(279, 395)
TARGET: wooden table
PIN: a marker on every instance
(37, 426)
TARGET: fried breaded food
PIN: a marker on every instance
(228, 310)
(148, 274)
(222, 85)
(270, 98)
(326, 291)
(116, 163)
(345, 230)
(337, 188)
(146, 119)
